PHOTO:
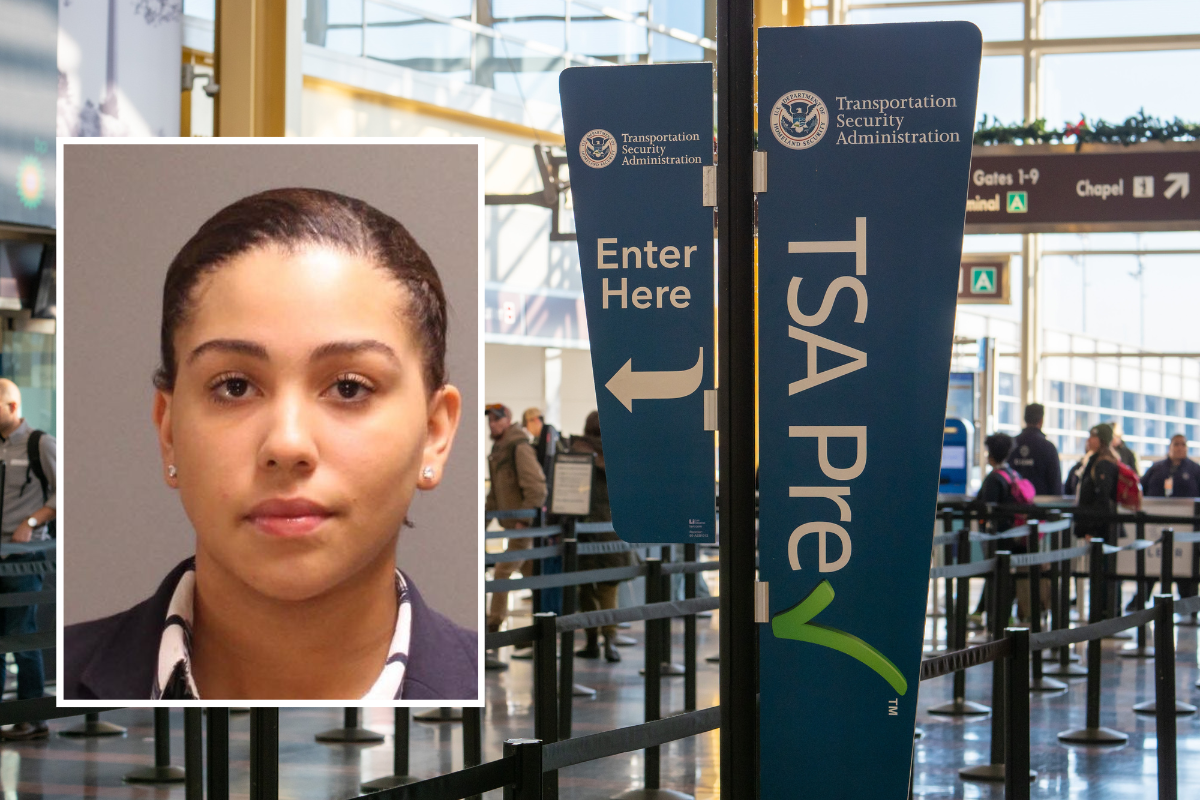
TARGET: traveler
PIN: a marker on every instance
(1098, 476)
(517, 481)
(1127, 456)
(1034, 456)
(297, 426)
(603, 595)
(29, 504)
(545, 438)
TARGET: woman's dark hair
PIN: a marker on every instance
(295, 218)
(998, 445)
(591, 426)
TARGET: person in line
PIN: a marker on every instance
(517, 481)
(297, 426)
(603, 595)
(1127, 456)
(1097, 490)
(996, 489)
(545, 439)
(30, 492)
(1034, 456)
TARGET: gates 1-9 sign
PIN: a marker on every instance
(984, 279)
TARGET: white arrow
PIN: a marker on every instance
(1178, 182)
(628, 385)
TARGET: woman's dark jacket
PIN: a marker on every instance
(1098, 494)
(600, 510)
(115, 658)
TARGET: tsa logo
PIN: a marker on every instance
(598, 148)
(799, 119)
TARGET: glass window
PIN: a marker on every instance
(1083, 420)
(1058, 391)
(1153, 404)
(1108, 398)
(1007, 384)
(1189, 410)
(1129, 401)
(1087, 18)
(1084, 396)
(1190, 432)
(1061, 418)
(1114, 86)
(1170, 429)
(1000, 95)
(28, 361)
(1171, 407)
(1008, 413)
(999, 22)
(1152, 428)
(1127, 426)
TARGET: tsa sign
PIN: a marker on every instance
(638, 141)
(867, 132)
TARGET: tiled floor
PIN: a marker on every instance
(62, 768)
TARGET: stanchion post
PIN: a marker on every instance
(654, 660)
(162, 771)
(1016, 757)
(528, 753)
(1092, 733)
(351, 731)
(1164, 695)
(193, 753)
(566, 662)
(960, 705)
(264, 754)
(1167, 563)
(1139, 600)
(472, 741)
(947, 584)
(1002, 603)
(218, 753)
(92, 726)
(545, 695)
(689, 633)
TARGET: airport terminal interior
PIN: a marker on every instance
(1097, 325)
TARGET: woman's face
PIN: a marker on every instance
(299, 423)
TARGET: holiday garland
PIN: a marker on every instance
(1138, 128)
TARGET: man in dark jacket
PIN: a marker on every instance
(1174, 476)
(517, 482)
(1034, 456)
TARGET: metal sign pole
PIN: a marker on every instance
(735, 386)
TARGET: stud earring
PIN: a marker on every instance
(427, 473)
(171, 471)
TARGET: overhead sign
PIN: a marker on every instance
(867, 130)
(1044, 188)
(984, 279)
(638, 141)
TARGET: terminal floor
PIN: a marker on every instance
(62, 768)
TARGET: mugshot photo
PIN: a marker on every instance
(268, 492)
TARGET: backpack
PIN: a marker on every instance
(1021, 489)
(33, 451)
(1129, 489)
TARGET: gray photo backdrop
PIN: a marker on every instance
(127, 209)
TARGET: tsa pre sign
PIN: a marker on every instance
(638, 140)
(867, 130)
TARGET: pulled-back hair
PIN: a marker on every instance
(292, 219)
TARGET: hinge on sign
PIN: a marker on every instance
(710, 186)
(710, 409)
(762, 604)
(760, 171)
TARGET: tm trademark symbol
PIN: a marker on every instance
(894, 707)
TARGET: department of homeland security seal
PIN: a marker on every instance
(598, 148)
(799, 119)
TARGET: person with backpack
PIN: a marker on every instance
(1004, 486)
(1099, 482)
(30, 501)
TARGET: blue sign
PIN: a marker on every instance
(638, 139)
(867, 130)
(957, 438)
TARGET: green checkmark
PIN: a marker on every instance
(795, 623)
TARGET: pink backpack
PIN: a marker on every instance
(1021, 488)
